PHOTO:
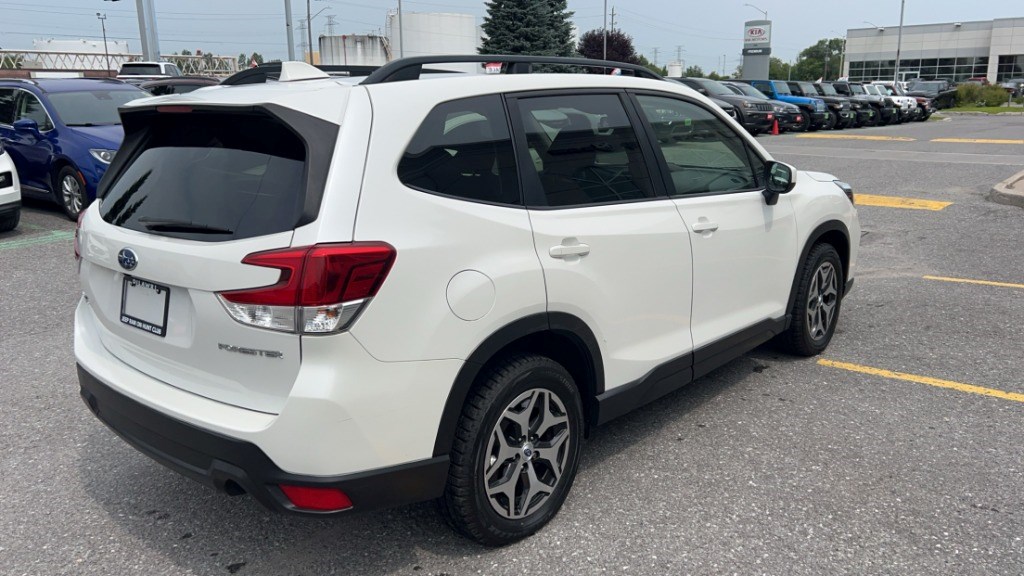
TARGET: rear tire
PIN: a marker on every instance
(10, 220)
(815, 310)
(516, 451)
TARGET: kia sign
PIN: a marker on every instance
(756, 35)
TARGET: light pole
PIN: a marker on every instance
(765, 12)
(106, 54)
(880, 29)
(147, 29)
(309, 31)
(401, 32)
(899, 44)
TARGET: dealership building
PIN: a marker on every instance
(952, 51)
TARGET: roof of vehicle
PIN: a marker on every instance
(146, 63)
(53, 85)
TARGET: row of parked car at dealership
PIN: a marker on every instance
(61, 134)
(763, 106)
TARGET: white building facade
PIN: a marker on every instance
(953, 51)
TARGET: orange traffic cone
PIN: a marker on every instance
(775, 127)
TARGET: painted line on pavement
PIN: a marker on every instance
(857, 137)
(976, 141)
(898, 202)
(938, 383)
(53, 236)
(979, 282)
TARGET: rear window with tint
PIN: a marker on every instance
(211, 177)
(140, 70)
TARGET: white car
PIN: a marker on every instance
(139, 72)
(907, 104)
(10, 193)
(331, 295)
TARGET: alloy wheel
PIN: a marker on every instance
(822, 298)
(71, 192)
(527, 453)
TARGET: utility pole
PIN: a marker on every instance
(401, 32)
(330, 24)
(604, 27)
(147, 29)
(613, 18)
(655, 55)
(309, 31)
(288, 29)
(302, 37)
(106, 54)
(679, 53)
(899, 43)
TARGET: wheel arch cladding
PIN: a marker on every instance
(833, 232)
(562, 337)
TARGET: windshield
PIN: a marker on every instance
(885, 89)
(781, 88)
(140, 70)
(828, 90)
(857, 89)
(807, 88)
(870, 89)
(93, 107)
(748, 90)
(714, 88)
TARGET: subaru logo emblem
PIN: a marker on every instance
(127, 259)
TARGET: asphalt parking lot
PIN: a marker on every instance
(896, 452)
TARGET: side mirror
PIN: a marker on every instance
(703, 91)
(26, 125)
(780, 179)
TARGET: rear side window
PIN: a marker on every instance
(463, 149)
(7, 105)
(211, 177)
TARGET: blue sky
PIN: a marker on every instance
(705, 30)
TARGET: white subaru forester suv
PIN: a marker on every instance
(348, 293)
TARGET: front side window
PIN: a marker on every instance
(463, 149)
(584, 150)
(702, 153)
(30, 108)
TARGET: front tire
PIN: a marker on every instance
(516, 451)
(815, 310)
(10, 220)
(70, 192)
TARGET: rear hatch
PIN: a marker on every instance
(194, 190)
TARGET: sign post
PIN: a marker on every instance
(757, 49)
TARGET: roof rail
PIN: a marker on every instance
(272, 71)
(411, 68)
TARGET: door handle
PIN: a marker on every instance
(573, 250)
(705, 225)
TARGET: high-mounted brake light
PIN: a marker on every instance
(321, 289)
(174, 109)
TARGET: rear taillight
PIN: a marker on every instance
(321, 290)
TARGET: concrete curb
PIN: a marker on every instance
(1007, 113)
(1010, 191)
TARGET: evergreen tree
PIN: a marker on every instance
(538, 27)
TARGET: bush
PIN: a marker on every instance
(968, 94)
(994, 95)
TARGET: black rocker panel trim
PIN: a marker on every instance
(680, 371)
(227, 463)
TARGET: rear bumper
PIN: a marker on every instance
(234, 466)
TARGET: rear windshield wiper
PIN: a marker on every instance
(167, 225)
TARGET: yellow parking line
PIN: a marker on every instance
(958, 386)
(857, 137)
(981, 282)
(898, 202)
(977, 141)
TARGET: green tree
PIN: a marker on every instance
(243, 62)
(620, 46)
(694, 72)
(822, 60)
(652, 66)
(777, 69)
(539, 27)
(714, 76)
